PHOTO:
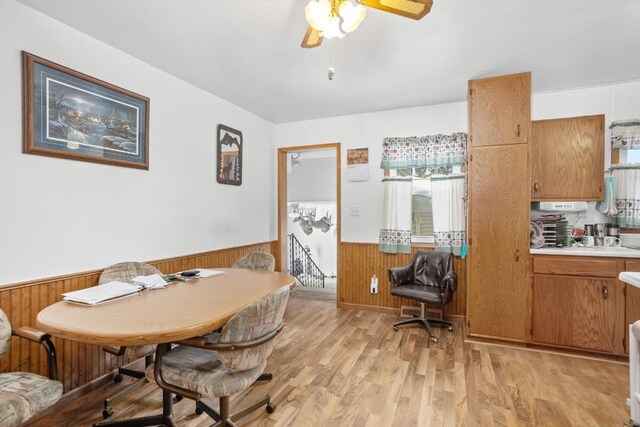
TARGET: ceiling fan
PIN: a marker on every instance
(335, 18)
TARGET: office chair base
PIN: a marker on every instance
(265, 377)
(165, 419)
(425, 321)
(225, 418)
(141, 380)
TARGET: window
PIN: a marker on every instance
(422, 213)
(633, 156)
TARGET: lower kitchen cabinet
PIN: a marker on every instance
(577, 312)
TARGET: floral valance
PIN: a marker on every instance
(625, 134)
(426, 151)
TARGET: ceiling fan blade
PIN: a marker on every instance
(312, 38)
(414, 9)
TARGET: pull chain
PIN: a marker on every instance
(331, 72)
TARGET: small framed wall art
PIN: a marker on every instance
(74, 116)
(229, 166)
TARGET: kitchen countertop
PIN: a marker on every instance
(619, 252)
(630, 277)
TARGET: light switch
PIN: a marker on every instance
(354, 211)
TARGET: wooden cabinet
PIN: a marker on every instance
(500, 110)
(578, 302)
(499, 207)
(567, 159)
(576, 312)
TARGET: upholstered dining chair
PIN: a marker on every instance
(429, 279)
(23, 394)
(125, 272)
(256, 261)
(220, 365)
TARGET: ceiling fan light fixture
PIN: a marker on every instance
(352, 15)
(332, 29)
(318, 14)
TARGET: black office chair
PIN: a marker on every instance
(429, 279)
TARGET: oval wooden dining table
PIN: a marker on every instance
(180, 310)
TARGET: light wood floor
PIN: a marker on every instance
(350, 368)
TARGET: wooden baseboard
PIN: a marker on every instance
(368, 307)
(390, 310)
(550, 350)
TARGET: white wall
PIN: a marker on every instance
(62, 216)
(620, 101)
(312, 180)
(368, 130)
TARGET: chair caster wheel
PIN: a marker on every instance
(199, 410)
(434, 340)
(107, 413)
(118, 378)
(450, 328)
(395, 328)
(271, 408)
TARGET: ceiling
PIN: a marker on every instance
(247, 51)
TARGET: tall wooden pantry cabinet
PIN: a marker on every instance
(499, 207)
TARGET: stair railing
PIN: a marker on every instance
(302, 266)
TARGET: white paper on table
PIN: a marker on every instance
(204, 273)
(102, 293)
(153, 281)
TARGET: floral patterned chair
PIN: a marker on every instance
(23, 394)
(219, 365)
(125, 272)
(256, 261)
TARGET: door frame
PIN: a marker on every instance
(282, 203)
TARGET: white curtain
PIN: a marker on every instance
(448, 198)
(627, 194)
(395, 235)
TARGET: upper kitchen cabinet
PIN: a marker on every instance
(567, 159)
(501, 110)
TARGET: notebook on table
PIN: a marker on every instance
(102, 293)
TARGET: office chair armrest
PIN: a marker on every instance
(43, 339)
(450, 281)
(204, 343)
(30, 334)
(399, 276)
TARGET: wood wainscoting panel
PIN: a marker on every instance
(79, 363)
(360, 261)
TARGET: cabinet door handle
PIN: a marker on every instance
(518, 127)
(517, 255)
(605, 292)
(536, 186)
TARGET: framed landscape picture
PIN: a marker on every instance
(229, 165)
(74, 116)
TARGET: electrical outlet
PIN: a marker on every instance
(354, 211)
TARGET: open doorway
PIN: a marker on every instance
(309, 215)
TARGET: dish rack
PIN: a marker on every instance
(556, 233)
